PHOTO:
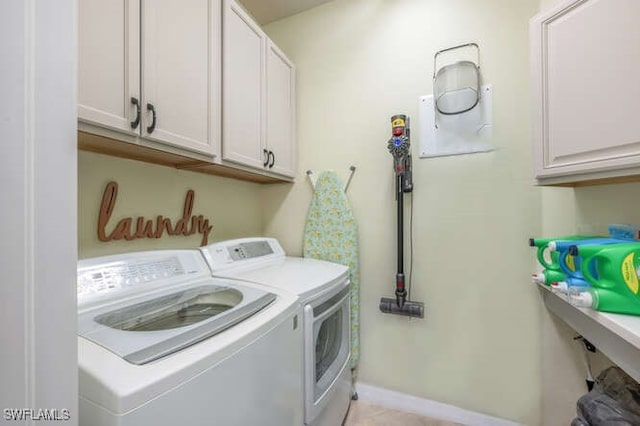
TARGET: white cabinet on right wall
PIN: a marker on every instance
(585, 57)
(258, 93)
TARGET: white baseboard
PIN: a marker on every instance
(425, 407)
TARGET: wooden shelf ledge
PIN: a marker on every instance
(115, 148)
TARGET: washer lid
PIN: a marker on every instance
(148, 328)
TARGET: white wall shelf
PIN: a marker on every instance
(616, 336)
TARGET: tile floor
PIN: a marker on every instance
(364, 414)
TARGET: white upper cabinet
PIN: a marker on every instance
(243, 88)
(109, 63)
(585, 57)
(280, 112)
(258, 97)
(176, 85)
(181, 72)
(189, 78)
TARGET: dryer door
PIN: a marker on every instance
(328, 351)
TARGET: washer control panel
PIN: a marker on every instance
(109, 276)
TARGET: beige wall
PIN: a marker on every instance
(232, 207)
(359, 62)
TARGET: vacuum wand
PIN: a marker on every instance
(399, 146)
(401, 291)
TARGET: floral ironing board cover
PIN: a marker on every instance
(331, 234)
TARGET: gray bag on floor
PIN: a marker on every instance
(579, 422)
(614, 401)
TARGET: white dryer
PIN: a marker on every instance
(323, 288)
(161, 342)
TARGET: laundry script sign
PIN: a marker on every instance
(128, 229)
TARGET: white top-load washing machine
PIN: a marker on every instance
(323, 288)
(161, 342)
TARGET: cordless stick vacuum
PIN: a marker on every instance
(399, 146)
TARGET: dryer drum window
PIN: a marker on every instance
(328, 343)
(176, 310)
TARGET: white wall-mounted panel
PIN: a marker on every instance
(465, 133)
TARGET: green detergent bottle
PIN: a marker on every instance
(548, 276)
(617, 287)
(552, 271)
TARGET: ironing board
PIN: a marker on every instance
(331, 233)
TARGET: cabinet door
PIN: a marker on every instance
(280, 111)
(181, 72)
(108, 63)
(243, 88)
(585, 60)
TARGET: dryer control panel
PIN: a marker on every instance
(245, 251)
(249, 250)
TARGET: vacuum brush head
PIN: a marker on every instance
(408, 309)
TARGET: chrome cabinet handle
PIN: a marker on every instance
(152, 127)
(273, 159)
(136, 122)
